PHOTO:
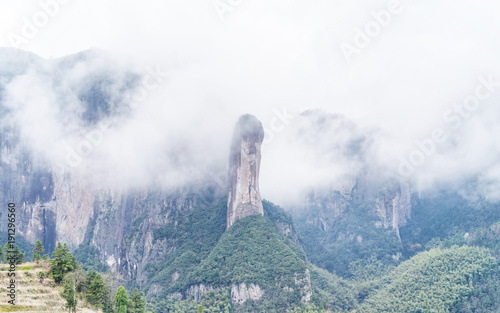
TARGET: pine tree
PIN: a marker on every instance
(135, 302)
(69, 293)
(13, 252)
(97, 291)
(121, 300)
(37, 251)
(71, 301)
(19, 255)
(108, 303)
(1, 254)
(6, 249)
(63, 262)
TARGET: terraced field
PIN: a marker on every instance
(31, 294)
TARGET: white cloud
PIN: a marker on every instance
(267, 55)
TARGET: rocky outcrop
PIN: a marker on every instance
(242, 292)
(244, 165)
(304, 283)
(196, 292)
(325, 206)
(393, 205)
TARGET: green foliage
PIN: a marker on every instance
(338, 293)
(485, 297)
(443, 215)
(88, 257)
(351, 242)
(486, 294)
(121, 300)
(312, 308)
(135, 302)
(37, 251)
(24, 246)
(26, 267)
(251, 251)
(13, 252)
(69, 294)
(194, 234)
(368, 268)
(214, 302)
(62, 262)
(76, 284)
(97, 293)
(276, 214)
(432, 281)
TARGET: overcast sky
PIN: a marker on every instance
(412, 72)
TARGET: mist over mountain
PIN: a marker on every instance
(234, 156)
(90, 113)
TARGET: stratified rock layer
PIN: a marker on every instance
(244, 165)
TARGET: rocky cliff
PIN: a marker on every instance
(389, 202)
(244, 165)
(54, 201)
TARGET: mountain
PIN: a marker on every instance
(344, 243)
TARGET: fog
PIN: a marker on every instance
(416, 97)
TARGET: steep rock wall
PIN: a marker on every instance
(244, 164)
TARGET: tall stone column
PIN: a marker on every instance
(244, 165)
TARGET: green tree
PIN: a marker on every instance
(1, 254)
(63, 262)
(108, 303)
(13, 252)
(37, 251)
(97, 292)
(70, 294)
(136, 302)
(121, 300)
(200, 309)
(19, 255)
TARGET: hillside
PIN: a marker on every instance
(31, 294)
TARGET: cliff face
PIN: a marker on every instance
(51, 204)
(132, 230)
(54, 201)
(389, 202)
(244, 165)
